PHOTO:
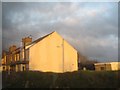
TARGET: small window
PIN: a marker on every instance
(102, 68)
(23, 68)
(3, 68)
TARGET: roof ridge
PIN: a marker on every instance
(41, 38)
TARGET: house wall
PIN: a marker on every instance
(101, 67)
(115, 66)
(3, 68)
(47, 55)
(21, 67)
(119, 66)
(98, 67)
(108, 66)
(70, 57)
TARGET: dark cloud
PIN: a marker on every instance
(92, 28)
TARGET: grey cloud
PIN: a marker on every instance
(76, 22)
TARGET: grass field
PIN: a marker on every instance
(79, 79)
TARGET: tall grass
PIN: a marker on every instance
(79, 79)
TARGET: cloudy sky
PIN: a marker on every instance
(91, 27)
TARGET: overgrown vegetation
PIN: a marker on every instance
(79, 79)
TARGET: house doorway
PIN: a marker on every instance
(23, 68)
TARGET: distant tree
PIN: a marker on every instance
(83, 61)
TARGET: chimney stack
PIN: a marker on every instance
(12, 48)
(26, 40)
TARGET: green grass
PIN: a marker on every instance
(79, 79)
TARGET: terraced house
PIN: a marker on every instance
(50, 53)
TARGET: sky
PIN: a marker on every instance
(90, 27)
